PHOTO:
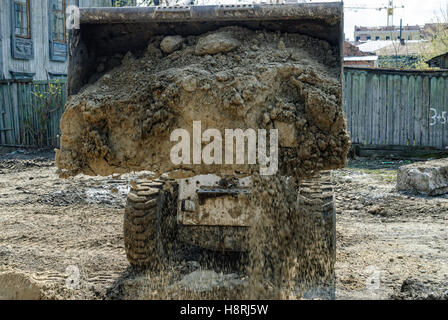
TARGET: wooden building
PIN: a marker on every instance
(33, 37)
(440, 61)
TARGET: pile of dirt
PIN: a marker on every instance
(232, 78)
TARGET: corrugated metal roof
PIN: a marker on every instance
(363, 58)
(372, 46)
(375, 46)
(409, 49)
(389, 47)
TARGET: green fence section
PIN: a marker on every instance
(30, 112)
(396, 107)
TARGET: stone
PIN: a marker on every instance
(170, 44)
(215, 43)
(427, 178)
(189, 83)
(222, 76)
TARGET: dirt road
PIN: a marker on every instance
(62, 239)
(390, 245)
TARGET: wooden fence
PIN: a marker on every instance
(383, 107)
(399, 108)
(30, 112)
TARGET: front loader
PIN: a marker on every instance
(205, 208)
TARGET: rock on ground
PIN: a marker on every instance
(428, 178)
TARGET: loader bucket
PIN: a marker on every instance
(111, 31)
(102, 133)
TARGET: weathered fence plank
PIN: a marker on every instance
(363, 123)
(397, 107)
(426, 111)
(375, 109)
(410, 120)
(383, 109)
(2, 116)
(404, 112)
(445, 109)
(396, 112)
(390, 109)
(355, 108)
(419, 111)
(348, 99)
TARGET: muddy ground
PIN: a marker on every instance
(62, 239)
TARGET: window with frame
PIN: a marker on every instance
(22, 19)
(58, 30)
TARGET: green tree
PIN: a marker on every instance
(437, 37)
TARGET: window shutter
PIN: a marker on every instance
(58, 50)
(21, 48)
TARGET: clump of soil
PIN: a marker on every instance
(232, 78)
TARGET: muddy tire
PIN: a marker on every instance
(316, 196)
(167, 227)
(318, 192)
(148, 223)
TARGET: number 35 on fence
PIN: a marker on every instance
(437, 117)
